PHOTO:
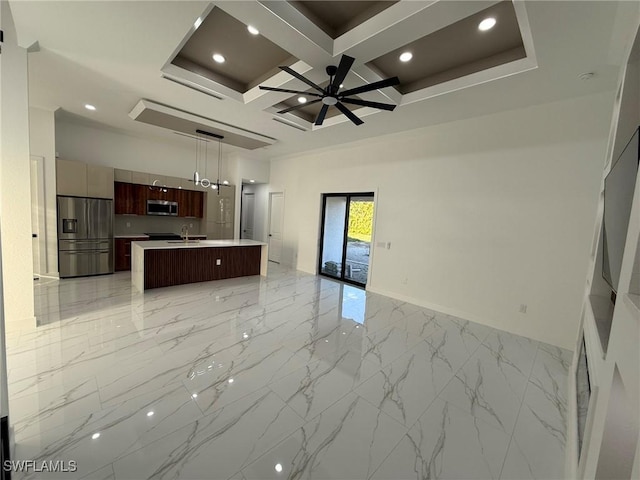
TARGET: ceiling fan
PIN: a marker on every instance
(332, 96)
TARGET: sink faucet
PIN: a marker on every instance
(185, 233)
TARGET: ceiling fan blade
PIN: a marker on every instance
(296, 107)
(366, 103)
(302, 78)
(322, 114)
(389, 82)
(350, 115)
(345, 64)
(273, 89)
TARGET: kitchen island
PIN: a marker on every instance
(164, 263)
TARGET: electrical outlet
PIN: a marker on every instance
(191, 225)
(523, 308)
(128, 224)
(218, 262)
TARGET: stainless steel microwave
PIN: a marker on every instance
(162, 207)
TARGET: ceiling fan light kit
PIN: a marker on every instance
(331, 96)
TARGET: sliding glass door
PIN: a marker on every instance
(345, 237)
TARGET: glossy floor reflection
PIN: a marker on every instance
(291, 376)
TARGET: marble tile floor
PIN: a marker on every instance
(290, 376)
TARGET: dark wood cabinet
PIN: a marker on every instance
(177, 266)
(131, 199)
(123, 252)
(190, 203)
(197, 204)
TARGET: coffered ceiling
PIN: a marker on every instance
(114, 54)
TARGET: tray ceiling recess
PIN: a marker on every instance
(178, 120)
(242, 59)
(336, 18)
(455, 51)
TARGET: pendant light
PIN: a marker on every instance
(201, 143)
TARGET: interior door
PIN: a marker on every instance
(248, 204)
(276, 216)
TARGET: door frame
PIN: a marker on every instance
(38, 219)
(344, 240)
(242, 211)
(271, 194)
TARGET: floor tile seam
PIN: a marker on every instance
(455, 375)
(217, 409)
(13, 382)
(407, 428)
(405, 434)
(525, 377)
(106, 406)
(515, 424)
(81, 382)
(310, 419)
(306, 422)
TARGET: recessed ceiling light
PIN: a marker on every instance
(95, 436)
(302, 100)
(278, 467)
(487, 24)
(342, 85)
(90, 107)
(406, 56)
(150, 413)
(253, 30)
(252, 181)
(218, 58)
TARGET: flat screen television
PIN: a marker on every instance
(618, 199)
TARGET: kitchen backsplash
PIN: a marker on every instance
(134, 224)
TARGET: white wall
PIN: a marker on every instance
(114, 149)
(15, 189)
(42, 143)
(483, 215)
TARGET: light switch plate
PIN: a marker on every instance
(218, 262)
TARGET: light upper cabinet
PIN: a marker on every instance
(71, 178)
(99, 181)
(141, 178)
(123, 176)
(79, 179)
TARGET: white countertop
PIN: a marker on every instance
(166, 244)
(142, 235)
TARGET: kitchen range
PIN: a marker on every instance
(85, 236)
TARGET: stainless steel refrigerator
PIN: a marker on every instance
(85, 236)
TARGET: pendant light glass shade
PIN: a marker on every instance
(200, 144)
